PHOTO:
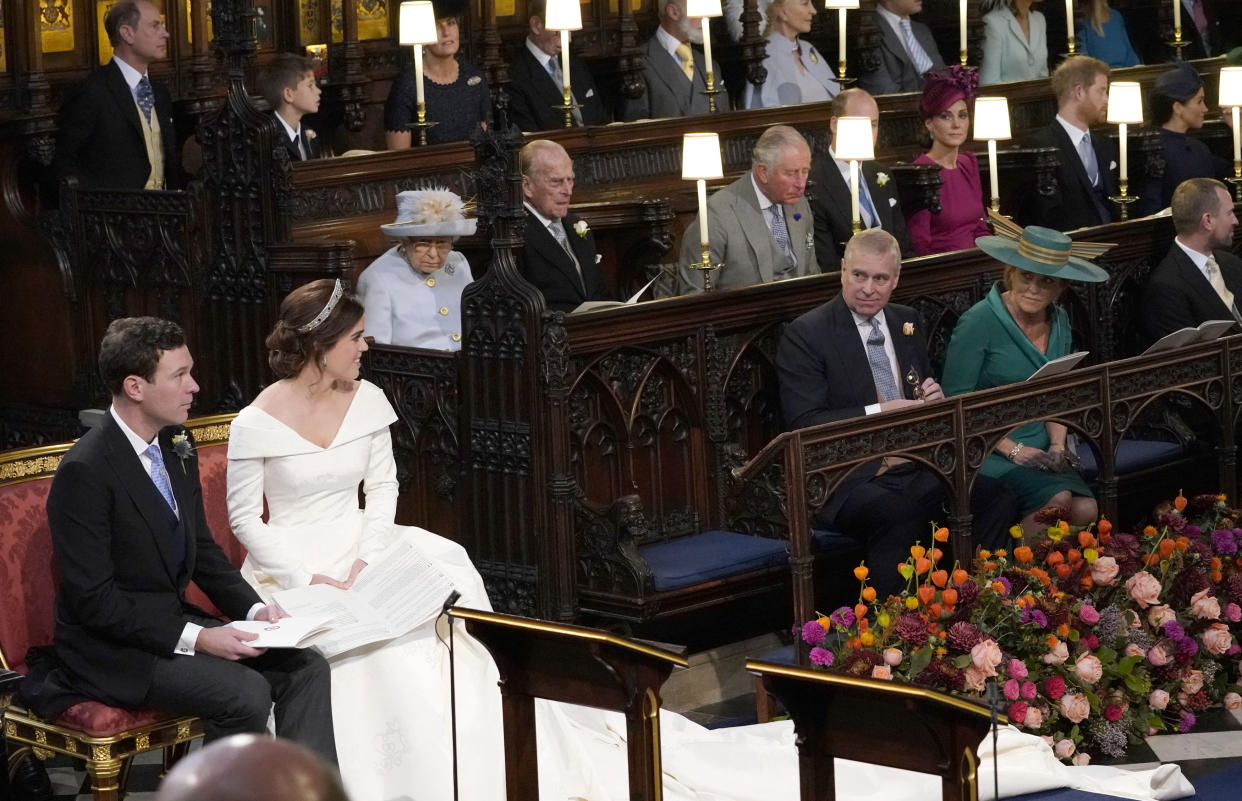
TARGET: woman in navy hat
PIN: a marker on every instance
(945, 108)
(1178, 106)
(455, 90)
(1006, 337)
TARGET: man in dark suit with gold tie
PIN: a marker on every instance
(1200, 279)
(559, 257)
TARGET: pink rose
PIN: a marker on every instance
(1157, 656)
(975, 678)
(1075, 707)
(1047, 738)
(1064, 749)
(1134, 650)
(892, 656)
(1143, 587)
(1192, 681)
(1082, 758)
(1160, 614)
(881, 672)
(1017, 712)
(1087, 614)
(986, 656)
(1233, 613)
(1217, 638)
(1011, 690)
(1058, 654)
(1203, 607)
(1016, 669)
(1028, 690)
(1158, 700)
(1104, 570)
(1233, 701)
(1088, 669)
(1034, 718)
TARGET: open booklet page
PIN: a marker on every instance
(395, 593)
(591, 305)
(288, 632)
(1205, 331)
(1058, 366)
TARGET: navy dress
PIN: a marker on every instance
(1184, 157)
(456, 108)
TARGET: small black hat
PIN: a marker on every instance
(448, 8)
(1180, 83)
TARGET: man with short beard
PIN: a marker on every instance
(1200, 278)
(1087, 176)
(674, 71)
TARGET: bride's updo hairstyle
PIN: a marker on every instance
(312, 318)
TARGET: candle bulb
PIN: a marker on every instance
(855, 212)
(565, 59)
(841, 41)
(418, 73)
(993, 174)
(1069, 23)
(962, 26)
(704, 240)
(1125, 163)
(1177, 16)
(707, 45)
(1237, 139)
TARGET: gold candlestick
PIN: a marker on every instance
(706, 267)
(1124, 200)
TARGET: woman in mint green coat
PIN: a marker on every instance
(1006, 337)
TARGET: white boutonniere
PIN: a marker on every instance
(581, 228)
(474, 80)
(907, 329)
(183, 448)
(881, 178)
(311, 135)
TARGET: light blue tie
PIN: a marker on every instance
(159, 474)
(922, 63)
(145, 98)
(553, 66)
(1087, 153)
(881, 369)
(864, 200)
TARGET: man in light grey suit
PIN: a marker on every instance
(667, 58)
(906, 53)
(760, 225)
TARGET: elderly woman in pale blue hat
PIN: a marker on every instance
(1006, 337)
(412, 293)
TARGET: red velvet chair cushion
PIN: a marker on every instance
(212, 467)
(27, 591)
(101, 720)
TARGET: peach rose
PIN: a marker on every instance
(1088, 669)
(1082, 758)
(1158, 700)
(986, 656)
(1217, 638)
(1064, 749)
(1104, 570)
(975, 678)
(1133, 650)
(1034, 718)
(1160, 614)
(1203, 607)
(1192, 681)
(1157, 656)
(1075, 707)
(881, 672)
(1233, 701)
(1057, 654)
(1143, 587)
(892, 657)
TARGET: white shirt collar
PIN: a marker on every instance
(669, 42)
(539, 55)
(893, 20)
(1200, 259)
(1075, 133)
(764, 201)
(861, 321)
(293, 134)
(547, 221)
(135, 441)
(131, 75)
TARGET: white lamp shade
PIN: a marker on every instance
(854, 141)
(1125, 102)
(417, 23)
(700, 156)
(840, 3)
(992, 118)
(1231, 87)
(563, 15)
(703, 8)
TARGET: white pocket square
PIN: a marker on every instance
(892, 201)
(590, 93)
(1112, 165)
(598, 258)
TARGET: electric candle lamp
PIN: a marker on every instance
(1125, 108)
(841, 6)
(564, 16)
(704, 10)
(854, 143)
(1231, 98)
(992, 124)
(700, 162)
(417, 27)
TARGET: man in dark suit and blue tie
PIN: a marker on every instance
(129, 534)
(855, 356)
(559, 257)
(116, 127)
(906, 53)
(289, 87)
(536, 80)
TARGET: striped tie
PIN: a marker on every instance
(922, 63)
(881, 369)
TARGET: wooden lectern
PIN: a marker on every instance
(880, 723)
(576, 665)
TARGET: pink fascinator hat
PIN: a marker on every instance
(945, 87)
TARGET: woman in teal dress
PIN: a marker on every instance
(1006, 337)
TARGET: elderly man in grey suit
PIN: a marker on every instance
(760, 225)
(907, 51)
(674, 71)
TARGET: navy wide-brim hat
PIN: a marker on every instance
(1043, 251)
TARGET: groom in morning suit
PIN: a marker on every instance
(129, 534)
(116, 127)
(851, 357)
(1200, 279)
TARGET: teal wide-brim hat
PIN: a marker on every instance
(1044, 251)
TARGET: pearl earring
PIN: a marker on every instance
(323, 361)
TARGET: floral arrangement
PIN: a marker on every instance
(1095, 638)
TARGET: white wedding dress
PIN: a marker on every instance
(390, 701)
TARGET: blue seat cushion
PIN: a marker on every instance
(1133, 455)
(710, 555)
(780, 656)
(825, 540)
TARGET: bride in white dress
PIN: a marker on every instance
(304, 446)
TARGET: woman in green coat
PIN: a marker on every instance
(1006, 337)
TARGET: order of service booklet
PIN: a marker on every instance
(395, 593)
(288, 632)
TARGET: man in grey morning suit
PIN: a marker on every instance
(667, 58)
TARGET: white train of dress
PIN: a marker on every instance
(390, 701)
